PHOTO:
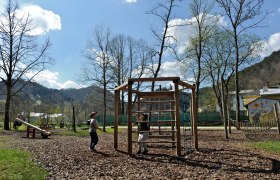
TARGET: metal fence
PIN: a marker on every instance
(204, 118)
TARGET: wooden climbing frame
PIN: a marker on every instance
(153, 98)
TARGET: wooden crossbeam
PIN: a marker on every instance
(186, 85)
(158, 122)
(156, 94)
(154, 141)
(162, 131)
(156, 102)
(153, 111)
(153, 79)
(122, 87)
(160, 136)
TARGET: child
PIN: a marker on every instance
(143, 126)
(92, 131)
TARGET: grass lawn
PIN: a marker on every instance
(271, 146)
(17, 164)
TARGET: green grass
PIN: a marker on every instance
(270, 146)
(17, 164)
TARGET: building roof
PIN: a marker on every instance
(248, 99)
(269, 91)
(247, 91)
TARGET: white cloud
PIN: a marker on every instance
(130, 1)
(172, 69)
(270, 45)
(44, 21)
(181, 30)
(169, 69)
(51, 80)
(278, 9)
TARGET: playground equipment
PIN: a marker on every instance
(255, 128)
(31, 128)
(165, 103)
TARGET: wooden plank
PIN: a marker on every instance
(160, 122)
(186, 85)
(162, 131)
(129, 125)
(157, 102)
(122, 87)
(160, 136)
(35, 127)
(117, 95)
(154, 142)
(194, 119)
(153, 79)
(148, 111)
(156, 94)
(178, 134)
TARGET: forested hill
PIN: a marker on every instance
(35, 92)
(256, 76)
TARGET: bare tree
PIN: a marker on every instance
(203, 26)
(97, 68)
(220, 67)
(119, 64)
(140, 56)
(243, 15)
(130, 59)
(163, 11)
(19, 53)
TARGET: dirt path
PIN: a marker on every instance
(68, 157)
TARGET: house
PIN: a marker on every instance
(245, 96)
(261, 107)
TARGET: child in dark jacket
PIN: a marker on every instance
(143, 126)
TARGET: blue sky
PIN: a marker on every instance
(68, 24)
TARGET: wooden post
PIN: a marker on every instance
(173, 117)
(30, 130)
(277, 117)
(138, 114)
(129, 115)
(194, 119)
(191, 119)
(177, 114)
(117, 95)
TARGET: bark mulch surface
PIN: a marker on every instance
(69, 157)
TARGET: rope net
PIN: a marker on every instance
(255, 128)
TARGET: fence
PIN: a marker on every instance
(204, 118)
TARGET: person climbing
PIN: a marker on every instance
(142, 137)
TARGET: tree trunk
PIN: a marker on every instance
(104, 110)
(74, 120)
(7, 108)
(236, 76)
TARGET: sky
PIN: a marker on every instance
(69, 24)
